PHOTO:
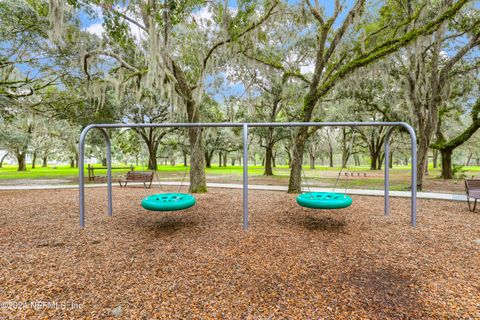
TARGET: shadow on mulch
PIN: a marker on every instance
(315, 223)
(165, 225)
(385, 294)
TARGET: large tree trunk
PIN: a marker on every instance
(289, 156)
(72, 162)
(208, 158)
(295, 183)
(447, 172)
(3, 159)
(374, 160)
(21, 157)
(34, 159)
(44, 161)
(152, 156)
(185, 159)
(312, 161)
(220, 159)
(422, 158)
(225, 154)
(268, 160)
(198, 182)
(435, 158)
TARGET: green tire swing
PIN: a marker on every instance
(325, 200)
(168, 201)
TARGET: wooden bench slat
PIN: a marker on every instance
(141, 176)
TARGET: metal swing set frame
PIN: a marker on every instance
(245, 126)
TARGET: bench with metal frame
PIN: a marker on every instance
(91, 171)
(138, 176)
(472, 189)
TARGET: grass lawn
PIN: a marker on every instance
(65, 171)
(321, 176)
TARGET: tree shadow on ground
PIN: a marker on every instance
(385, 294)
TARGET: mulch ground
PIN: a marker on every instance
(292, 263)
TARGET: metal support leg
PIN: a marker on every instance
(245, 176)
(81, 176)
(81, 173)
(387, 173)
(413, 151)
(109, 172)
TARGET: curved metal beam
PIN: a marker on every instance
(81, 170)
(413, 151)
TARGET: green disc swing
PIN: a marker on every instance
(325, 200)
(170, 201)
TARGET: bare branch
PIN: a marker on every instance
(315, 13)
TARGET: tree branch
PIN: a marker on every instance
(241, 34)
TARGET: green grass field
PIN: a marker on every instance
(321, 176)
(10, 172)
(51, 172)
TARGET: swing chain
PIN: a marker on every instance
(347, 167)
(301, 164)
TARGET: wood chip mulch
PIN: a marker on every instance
(292, 263)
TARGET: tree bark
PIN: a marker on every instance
(34, 159)
(374, 161)
(220, 159)
(198, 181)
(312, 162)
(21, 159)
(268, 160)
(44, 161)
(152, 156)
(435, 158)
(295, 182)
(225, 155)
(208, 158)
(446, 156)
(3, 159)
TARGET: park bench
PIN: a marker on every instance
(91, 171)
(472, 188)
(138, 176)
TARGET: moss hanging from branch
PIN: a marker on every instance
(56, 12)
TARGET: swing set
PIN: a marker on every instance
(313, 200)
